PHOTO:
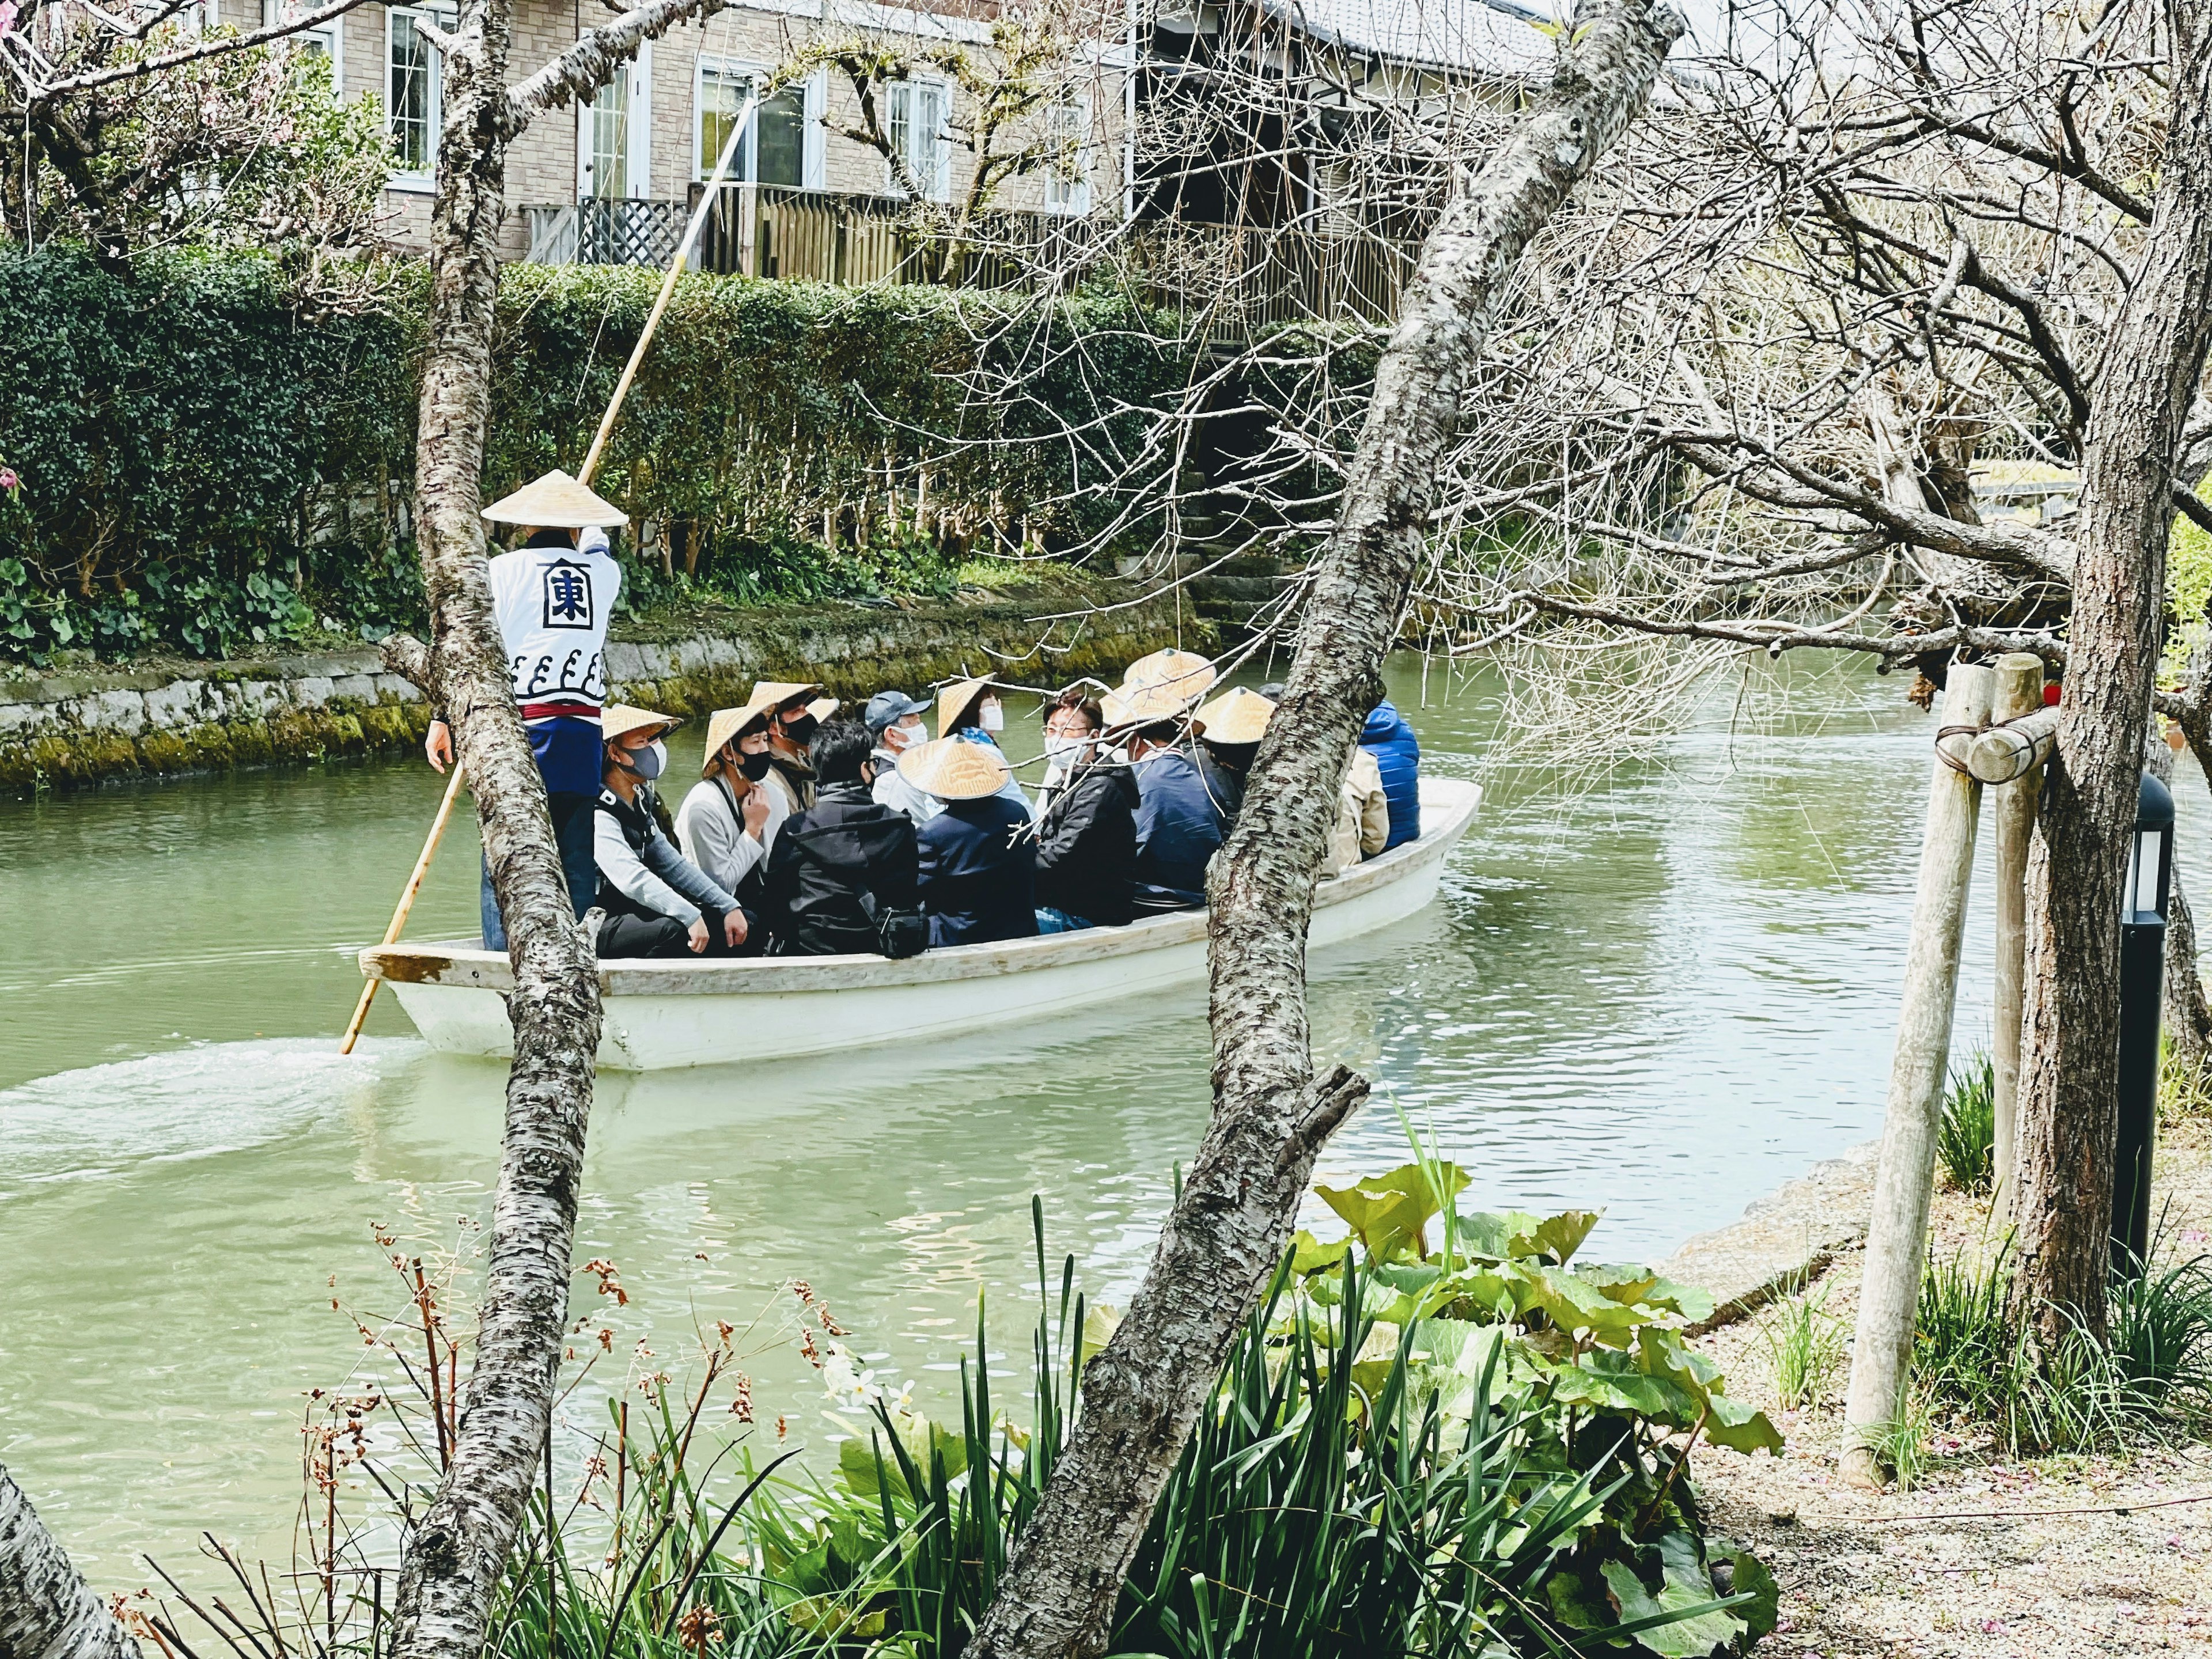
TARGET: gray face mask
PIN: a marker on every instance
(650, 762)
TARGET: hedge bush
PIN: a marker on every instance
(205, 470)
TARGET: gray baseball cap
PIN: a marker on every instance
(887, 708)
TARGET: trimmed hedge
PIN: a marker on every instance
(205, 470)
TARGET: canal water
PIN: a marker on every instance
(1660, 992)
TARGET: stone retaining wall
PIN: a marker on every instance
(65, 731)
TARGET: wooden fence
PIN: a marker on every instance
(1239, 279)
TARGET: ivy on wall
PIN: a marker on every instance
(206, 470)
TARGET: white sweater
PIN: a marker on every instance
(712, 831)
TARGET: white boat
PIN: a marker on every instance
(667, 1013)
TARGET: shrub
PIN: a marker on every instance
(205, 470)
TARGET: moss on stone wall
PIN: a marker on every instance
(855, 654)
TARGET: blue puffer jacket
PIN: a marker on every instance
(1179, 827)
(1387, 737)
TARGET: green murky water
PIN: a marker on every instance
(1663, 995)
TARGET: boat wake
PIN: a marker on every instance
(190, 1102)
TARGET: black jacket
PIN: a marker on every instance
(978, 865)
(1086, 853)
(825, 859)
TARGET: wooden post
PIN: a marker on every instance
(2018, 691)
(1897, 1239)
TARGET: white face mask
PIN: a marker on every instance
(1063, 751)
(990, 716)
(903, 737)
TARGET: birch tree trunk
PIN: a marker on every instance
(46, 1609)
(460, 1542)
(1271, 1114)
(2069, 1075)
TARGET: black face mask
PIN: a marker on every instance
(802, 729)
(754, 767)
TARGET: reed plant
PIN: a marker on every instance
(1965, 1140)
(1977, 1357)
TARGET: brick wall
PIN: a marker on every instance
(541, 165)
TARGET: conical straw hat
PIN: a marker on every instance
(555, 502)
(723, 725)
(1236, 716)
(1143, 705)
(822, 708)
(953, 768)
(1186, 670)
(780, 694)
(618, 720)
(953, 700)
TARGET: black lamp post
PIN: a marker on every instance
(2142, 972)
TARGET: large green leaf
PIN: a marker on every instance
(1573, 1304)
(1690, 1626)
(1388, 1212)
(1740, 1428)
(1608, 1382)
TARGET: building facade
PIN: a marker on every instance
(655, 133)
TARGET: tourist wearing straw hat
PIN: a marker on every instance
(658, 902)
(977, 854)
(971, 711)
(1229, 731)
(796, 709)
(551, 597)
(728, 823)
(1179, 820)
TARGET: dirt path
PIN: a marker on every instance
(1862, 1575)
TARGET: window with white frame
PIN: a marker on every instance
(326, 42)
(919, 111)
(774, 149)
(614, 134)
(413, 93)
(1068, 158)
(718, 98)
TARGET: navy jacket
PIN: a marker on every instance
(1391, 741)
(1179, 826)
(978, 873)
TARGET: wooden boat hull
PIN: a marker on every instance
(666, 1014)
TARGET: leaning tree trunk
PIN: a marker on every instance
(459, 1543)
(1271, 1114)
(46, 1609)
(2070, 1073)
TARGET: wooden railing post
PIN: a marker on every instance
(2018, 691)
(1897, 1237)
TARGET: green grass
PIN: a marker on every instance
(1965, 1141)
(1805, 1344)
(1976, 1358)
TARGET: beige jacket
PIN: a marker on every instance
(1363, 816)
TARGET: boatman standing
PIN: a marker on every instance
(552, 596)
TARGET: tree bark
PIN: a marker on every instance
(1271, 1114)
(460, 1542)
(2070, 1075)
(46, 1609)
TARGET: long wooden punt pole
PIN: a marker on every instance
(668, 285)
(406, 903)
